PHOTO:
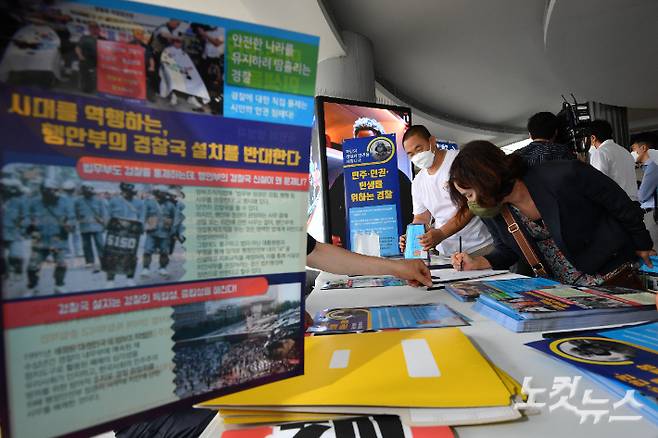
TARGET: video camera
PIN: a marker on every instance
(574, 120)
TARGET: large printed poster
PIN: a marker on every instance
(153, 250)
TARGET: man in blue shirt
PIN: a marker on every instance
(647, 192)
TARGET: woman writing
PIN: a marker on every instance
(581, 227)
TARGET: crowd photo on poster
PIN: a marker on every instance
(219, 344)
(165, 63)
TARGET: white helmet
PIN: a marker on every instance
(68, 185)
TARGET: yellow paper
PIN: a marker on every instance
(282, 417)
(512, 385)
(441, 369)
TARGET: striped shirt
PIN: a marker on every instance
(540, 151)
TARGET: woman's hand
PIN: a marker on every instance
(461, 261)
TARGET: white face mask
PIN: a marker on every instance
(423, 160)
(635, 156)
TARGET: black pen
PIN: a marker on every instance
(461, 263)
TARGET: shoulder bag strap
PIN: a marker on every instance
(524, 245)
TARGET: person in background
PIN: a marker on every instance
(175, 59)
(139, 39)
(367, 127)
(431, 199)
(543, 129)
(212, 68)
(125, 206)
(174, 194)
(91, 212)
(583, 227)
(68, 190)
(161, 212)
(163, 36)
(50, 219)
(87, 52)
(612, 159)
(14, 212)
(647, 193)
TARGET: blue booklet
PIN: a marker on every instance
(413, 248)
(350, 320)
(646, 269)
(538, 304)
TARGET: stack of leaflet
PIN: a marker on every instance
(430, 377)
(538, 304)
(363, 281)
(361, 319)
(620, 359)
(468, 290)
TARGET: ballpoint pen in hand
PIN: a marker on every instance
(461, 263)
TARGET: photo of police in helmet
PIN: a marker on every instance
(61, 234)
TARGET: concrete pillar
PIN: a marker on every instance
(351, 76)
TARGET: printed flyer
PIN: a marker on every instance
(154, 189)
(627, 355)
(359, 319)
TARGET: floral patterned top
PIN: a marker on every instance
(559, 265)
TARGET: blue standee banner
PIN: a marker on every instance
(372, 191)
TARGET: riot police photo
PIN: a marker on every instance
(62, 234)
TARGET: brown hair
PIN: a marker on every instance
(484, 168)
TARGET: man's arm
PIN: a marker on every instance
(454, 225)
(337, 260)
(649, 184)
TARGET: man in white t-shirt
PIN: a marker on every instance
(431, 199)
(612, 159)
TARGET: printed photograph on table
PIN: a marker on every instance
(151, 244)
